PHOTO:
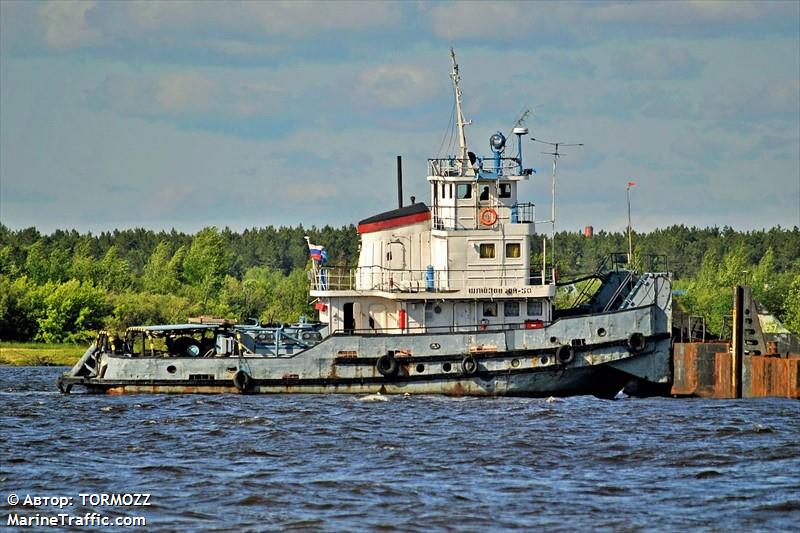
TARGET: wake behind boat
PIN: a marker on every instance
(444, 300)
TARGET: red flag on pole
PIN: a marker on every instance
(631, 183)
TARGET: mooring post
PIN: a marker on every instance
(737, 341)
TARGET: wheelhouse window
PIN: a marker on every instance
(534, 308)
(511, 308)
(464, 191)
(484, 193)
(490, 309)
(486, 250)
(505, 190)
(513, 250)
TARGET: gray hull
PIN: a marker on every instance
(595, 354)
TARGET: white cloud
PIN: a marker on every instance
(185, 92)
(303, 18)
(467, 20)
(397, 85)
(238, 48)
(65, 24)
(777, 98)
(683, 13)
(657, 63)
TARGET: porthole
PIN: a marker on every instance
(554, 340)
(437, 309)
(601, 332)
(171, 369)
(435, 346)
(515, 363)
(544, 359)
(447, 367)
(420, 368)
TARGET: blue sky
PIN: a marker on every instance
(189, 114)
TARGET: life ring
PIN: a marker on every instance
(565, 354)
(469, 365)
(242, 380)
(488, 216)
(387, 366)
(636, 342)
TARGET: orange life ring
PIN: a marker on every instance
(488, 216)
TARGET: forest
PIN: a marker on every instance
(65, 286)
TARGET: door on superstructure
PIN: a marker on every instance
(349, 318)
(464, 316)
(376, 318)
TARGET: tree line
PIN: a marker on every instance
(63, 286)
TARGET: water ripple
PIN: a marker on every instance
(300, 463)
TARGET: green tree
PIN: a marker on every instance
(288, 297)
(37, 263)
(73, 311)
(113, 271)
(162, 271)
(136, 309)
(791, 306)
(206, 263)
(84, 265)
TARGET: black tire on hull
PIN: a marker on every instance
(565, 354)
(387, 366)
(242, 381)
(469, 366)
(636, 342)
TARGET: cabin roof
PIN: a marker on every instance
(402, 216)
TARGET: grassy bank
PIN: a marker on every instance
(39, 353)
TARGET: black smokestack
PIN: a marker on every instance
(399, 181)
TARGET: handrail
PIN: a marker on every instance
(454, 166)
(376, 277)
(619, 290)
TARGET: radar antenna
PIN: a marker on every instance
(521, 120)
(556, 154)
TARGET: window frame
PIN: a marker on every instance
(489, 246)
(519, 250)
(512, 303)
(534, 302)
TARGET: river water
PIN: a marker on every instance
(339, 463)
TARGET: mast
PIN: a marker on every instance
(463, 154)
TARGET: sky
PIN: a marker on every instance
(190, 114)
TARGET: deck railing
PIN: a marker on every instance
(452, 166)
(428, 280)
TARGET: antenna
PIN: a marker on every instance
(521, 120)
(463, 156)
(556, 154)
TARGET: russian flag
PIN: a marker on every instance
(317, 253)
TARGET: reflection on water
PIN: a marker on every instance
(409, 463)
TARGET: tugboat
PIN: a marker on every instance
(444, 300)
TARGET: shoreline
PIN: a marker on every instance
(39, 354)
